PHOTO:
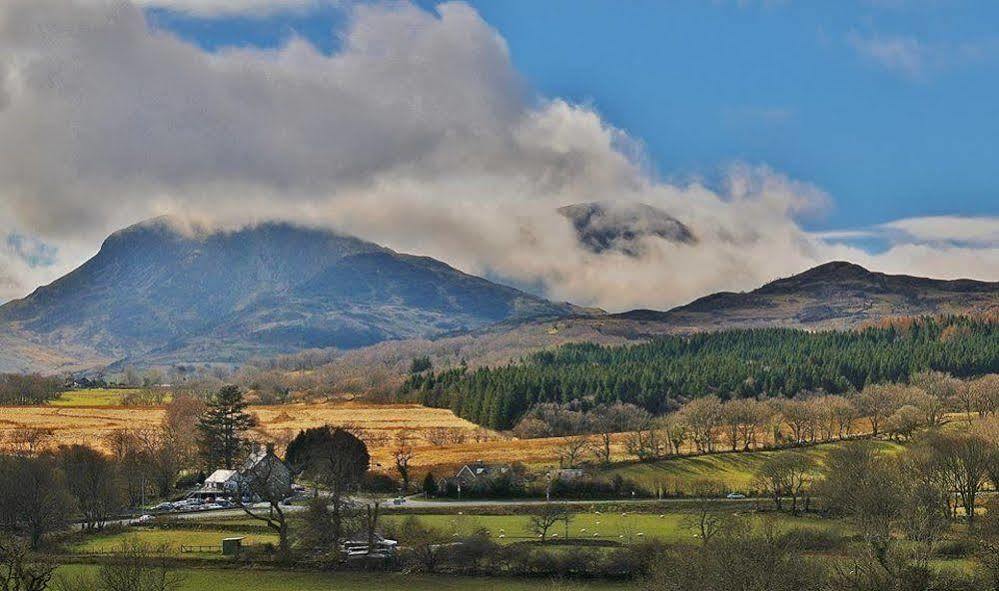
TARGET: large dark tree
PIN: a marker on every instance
(333, 458)
(34, 500)
(93, 480)
(222, 428)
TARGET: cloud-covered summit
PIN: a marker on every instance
(418, 133)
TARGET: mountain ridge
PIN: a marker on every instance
(274, 288)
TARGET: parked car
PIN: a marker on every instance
(142, 519)
(735, 496)
(163, 507)
(399, 501)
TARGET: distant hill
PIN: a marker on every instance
(156, 294)
(836, 295)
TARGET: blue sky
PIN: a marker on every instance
(784, 134)
(892, 107)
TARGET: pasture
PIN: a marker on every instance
(103, 397)
(734, 471)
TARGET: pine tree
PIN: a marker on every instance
(222, 428)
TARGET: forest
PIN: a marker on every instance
(662, 374)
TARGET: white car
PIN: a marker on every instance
(735, 496)
(141, 520)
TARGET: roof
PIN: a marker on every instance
(221, 476)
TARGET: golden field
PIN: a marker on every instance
(381, 424)
(90, 424)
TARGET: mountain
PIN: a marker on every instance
(158, 293)
(833, 295)
(621, 227)
(836, 295)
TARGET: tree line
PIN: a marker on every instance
(661, 375)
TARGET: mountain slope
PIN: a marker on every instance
(154, 291)
(833, 295)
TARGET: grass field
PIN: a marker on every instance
(168, 539)
(276, 580)
(99, 397)
(733, 471)
(623, 527)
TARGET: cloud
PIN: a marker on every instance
(418, 134)
(905, 55)
(221, 8)
(980, 231)
(916, 59)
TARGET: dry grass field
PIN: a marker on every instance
(381, 423)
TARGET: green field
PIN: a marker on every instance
(276, 580)
(733, 471)
(169, 539)
(622, 527)
(104, 396)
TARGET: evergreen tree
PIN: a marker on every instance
(222, 428)
(430, 485)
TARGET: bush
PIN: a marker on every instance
(595, 488)
(813, 539)
(959, 548)
(379, 482)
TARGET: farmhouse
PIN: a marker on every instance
(262, 469)
(479, 471)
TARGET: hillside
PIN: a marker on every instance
(835, 295)
(156, 293)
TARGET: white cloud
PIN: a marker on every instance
(917, 59)
(902, 54)
(216, 8)
(419, 134)
(983, 231)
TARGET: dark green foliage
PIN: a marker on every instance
(222, 428)
(318, 451)
(420, 364)
(34, 499)
(430, 485)
(662, 374)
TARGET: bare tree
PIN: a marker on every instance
(609, 419)
(542, 520)
(92, 479)
(703, 416)
(28, 440)
(268, 480)
(877, 402)
(786, 474)
(402, 453)
(706, 516)
(965, 459)
(572, 450)
(18, 571)
(984, 393)
(674, 428)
